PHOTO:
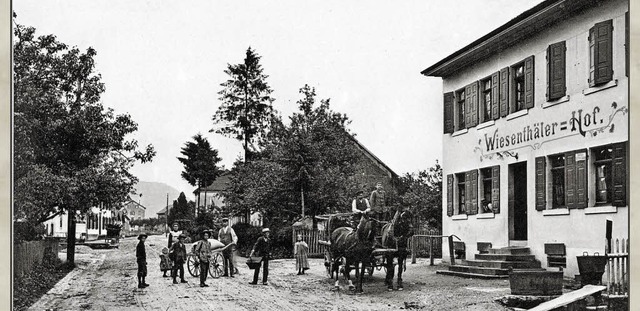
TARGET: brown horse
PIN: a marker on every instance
(355, 246)
(395, 235)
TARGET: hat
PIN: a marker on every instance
(360, 192)
(265, 230)
(182, 236)
(142, 235)
(224, 219)
(206, 231)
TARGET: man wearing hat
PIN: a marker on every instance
(262, 248)
(359, 206)
(141, 259)
(203, 250)
(227, 236)
(179, 251)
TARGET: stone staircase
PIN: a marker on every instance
(495, 263)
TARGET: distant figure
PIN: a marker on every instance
(178, 253)
(174, 234)
(227, 236)
(301, 252)
(165, 262)
(378, 203)
(263, 249)
(359, 205)
(141, 259)
(203, 251)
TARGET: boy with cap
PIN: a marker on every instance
(203, 250)
(179, 251)
(141, 259)
(227, 236)
(263, 248)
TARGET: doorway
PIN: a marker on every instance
(518, 201)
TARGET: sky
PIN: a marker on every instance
(162, 62)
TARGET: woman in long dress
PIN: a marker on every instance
(301, 252)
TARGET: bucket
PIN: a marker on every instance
(591, 268)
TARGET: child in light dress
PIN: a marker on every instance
(165, 262)
(301, 251)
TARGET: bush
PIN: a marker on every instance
(26, 231)
(282, 243)
(247, 236)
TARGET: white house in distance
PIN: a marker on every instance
(212, 196)
(88, 226)
(134, 210)
(536, 131)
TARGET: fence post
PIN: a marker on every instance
(413, 249)
(451, 251)
(431, 251)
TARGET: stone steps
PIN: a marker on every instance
(496, 263)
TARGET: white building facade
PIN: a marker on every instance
(536, 131)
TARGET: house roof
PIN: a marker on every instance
(132, 202)
(373, 157)
(218, 185)
(523, 26)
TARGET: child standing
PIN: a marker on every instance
(300, 251)
(165, 262)
(179, 251)
(141, 259)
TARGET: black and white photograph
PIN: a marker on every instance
(320, 155)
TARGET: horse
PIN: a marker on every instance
(395, 235)
(355, 246)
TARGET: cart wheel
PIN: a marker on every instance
(369, 270)
(328, 263)
(193, 265)
(215, 265)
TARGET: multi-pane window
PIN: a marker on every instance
(557, 180)
(486, 100)
(603, 159)
(487, 182)
(518, 85)
(460, 109)
(461, 193)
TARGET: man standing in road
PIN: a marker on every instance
(173, 234)
(378, 203)
(179, 256)
(203, 251)
(228, 237)
(262, 248)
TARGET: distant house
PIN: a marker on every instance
(88, 226)
(134, 210)
(371, 170)
(162, 214)
(212, 195)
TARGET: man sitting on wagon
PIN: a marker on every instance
(359, 206)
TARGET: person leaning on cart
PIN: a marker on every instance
(178, 255)
(227, 236)
(262, 248)
(203, 251)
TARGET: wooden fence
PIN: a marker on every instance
(316, 249)
(27, 255)
(618, 269)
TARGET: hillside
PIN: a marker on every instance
(154, 196)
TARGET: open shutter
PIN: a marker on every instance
(504, 92)
(541, 191)
(601, 50)
(495, 188)
(448, 112)
(556, 71)
(471, 103)
(626, 44)
(581, 178)
(619, 174)
(450, 195)
(471, 192)
(529, 82)
(570, 179)
(495, 95)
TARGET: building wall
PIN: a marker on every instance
(135, 211)
(213, 198)
(580, 229)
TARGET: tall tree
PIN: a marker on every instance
(421, 193)
(70, 152)
(246, 99)
(200, 164)
(182, 209)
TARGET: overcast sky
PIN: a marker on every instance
(162, 62)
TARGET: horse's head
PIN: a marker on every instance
(403, 224)
(367, 228)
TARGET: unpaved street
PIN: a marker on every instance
(106, 280)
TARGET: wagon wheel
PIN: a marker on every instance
(215, 265)
(193, 265)
(328, 263)
(380, 263)
(369, 270)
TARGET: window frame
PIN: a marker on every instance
(459, 110)
(483, 92)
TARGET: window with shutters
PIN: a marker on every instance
(557, 181)
(609, 165)
(522, 83)
(487, 189)
(601, 53)
(460, 110)
(460, 194)
(556, 71)
(518, 85)
(486, 100)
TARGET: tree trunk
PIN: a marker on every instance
(71, 236)
(302, 198)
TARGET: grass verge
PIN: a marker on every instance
(30, 287)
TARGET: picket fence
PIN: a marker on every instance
(617, 269)
(27, 255)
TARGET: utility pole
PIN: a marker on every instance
(167, 217)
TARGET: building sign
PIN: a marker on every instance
(578, 122)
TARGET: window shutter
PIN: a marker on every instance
(541, 192)
(450, 195)
(626, 44)
(495, 93)
(581, 179)
(601, 47)
(448, 112)
(471, 103)
(471, 192)
(504, 92)
(556, 71)
(570, 179)
(495, 188)
(619, 174)
(529, 82)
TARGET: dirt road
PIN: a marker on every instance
(106, 280)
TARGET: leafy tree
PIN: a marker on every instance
(200, 164)
(182, 209)
(70, 152)
(246, 103)
(422, 193)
